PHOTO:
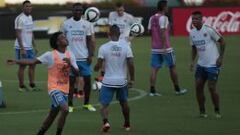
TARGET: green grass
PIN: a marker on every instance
(166, 115)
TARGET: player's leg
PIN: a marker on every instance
(170, 60)
(31, 71)
(213, 73)
(86, 73)
(70, 94)
(61, 100)
(48, 120)
(200, 80)
(105, 97)
(156, 63)
(122, 95)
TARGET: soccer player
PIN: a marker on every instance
(117, 56)
(59, 62)
(204, 40)
(79, 33)
(162, 52)
(122, 19)
(25, 46)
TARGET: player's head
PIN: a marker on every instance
(162, 5)
(119, 7)
(197, 19)
(114, 32)
(57, 40)
(77, 10)
(27, 7)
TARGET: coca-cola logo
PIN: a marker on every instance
(225, 21)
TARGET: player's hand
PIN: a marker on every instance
(11, 62)
(89, 60)
(130, 84)
(67, 60)
(219, 61)
(191, 67)
(36, 51)
(23, 52)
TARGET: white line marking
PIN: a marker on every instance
(142, 94)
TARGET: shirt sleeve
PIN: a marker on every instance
(73, 61)
(214, 34)
(46, 58)
(62, 28)
(110, 19)
(101, 53)
(129, 52)
(163, 22)
(18, 23)
(149, 23)
(190, 40)
(89, 29)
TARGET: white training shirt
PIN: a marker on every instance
(47, 58)
(163, 22)
(115, 56)
(123, 22)
(76, 33)
(205, 41)
(24, 23)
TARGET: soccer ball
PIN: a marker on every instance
(92, 14)
(136, 29)
(96, 85)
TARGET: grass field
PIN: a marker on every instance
(165, 115)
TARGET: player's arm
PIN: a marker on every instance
(23, 62)
(131, 70)
(18, 32)
(98, 65)
(33, 44)
(222, 51)
(90, 47)
(193, 57)
(163, 22)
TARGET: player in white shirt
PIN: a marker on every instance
(59, 61)
(80, 35)
(204, 40)
(24, 45)
(117, 57)
(122, 19)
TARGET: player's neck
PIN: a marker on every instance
(199, 27)
(61, 49)
(76, 18)
(26, 14)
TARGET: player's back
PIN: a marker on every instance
(115, 56)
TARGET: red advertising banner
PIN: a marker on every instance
(224, 20)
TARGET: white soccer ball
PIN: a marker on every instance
(136, 29)
(92, 14)
(96, 85)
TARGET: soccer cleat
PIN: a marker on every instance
(203, 115)
(70, 109)
(218, 115)
(181, 92)
(35, 89)
(154, 94)
(89, 107)
(105, 127)
(24, 89)
(127, 127)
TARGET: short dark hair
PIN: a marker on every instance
(76, 4)
(161, 4)
(53, 40)
(114, 29)
(197, 13)
(119, 4)
(25, 2)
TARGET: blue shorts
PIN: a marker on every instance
(158, 60)
(29, 54)
(84, 69)
(106, 94)
(58, 98)
(207, 73)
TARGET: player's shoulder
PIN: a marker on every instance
(208, 28)
(128, 15)
(20, 17)
(113, 13)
